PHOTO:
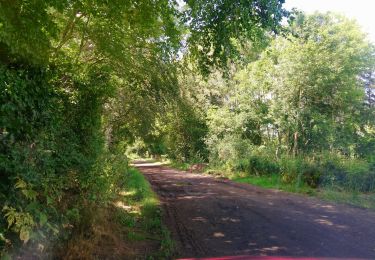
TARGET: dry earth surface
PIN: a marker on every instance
(210, 217)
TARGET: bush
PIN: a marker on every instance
(261, 165)
(50, 142)
(242, 165)
(300, 170)
(258, 165)
(348, 174)
(229, 150)
(291, 169)
(311, 174)
(324, 170)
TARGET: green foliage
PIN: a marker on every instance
(20, 222)
(302, 110)
(225, 137)
(325, 170)
(180, 165)
(60, 62)
(262, 165)
(215, 24)
(364, 200)
(21, 34)
(81, 81)
(51, 139)
(351, 175)
(274, 182)
(137, 149)
(184, 133)
(301, 93)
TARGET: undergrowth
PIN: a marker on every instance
(274, 181)
(331, 179)
(184, 166)
(130, 227)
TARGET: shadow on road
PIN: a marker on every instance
(210, 217)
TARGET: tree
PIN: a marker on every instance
(318, 90)
(77, 80)
(303, 94)
(215, 26)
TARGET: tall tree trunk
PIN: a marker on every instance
(295, 144)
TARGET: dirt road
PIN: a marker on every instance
(211, 217)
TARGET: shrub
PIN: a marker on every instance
(50, 142)
(242, 165)
(326, 169)
(291, 169)
(229, 150)
(349, 174)
(258, 165)
(262, 165)
(311, 174)
(300, 170)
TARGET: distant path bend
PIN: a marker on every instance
(210, 217)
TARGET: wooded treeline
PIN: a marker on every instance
(82, 80)
(85, 82)
(299, 105)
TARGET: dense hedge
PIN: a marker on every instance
(50, 140)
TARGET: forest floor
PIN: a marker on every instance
(212, 217)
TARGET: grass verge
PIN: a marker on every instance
(145, 214)
(364, 200)
(128, 228)
(183, 166)
(273, 182)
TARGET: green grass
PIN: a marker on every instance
(272, 182)
(139, 211)
(179, 165)
(364, 200)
